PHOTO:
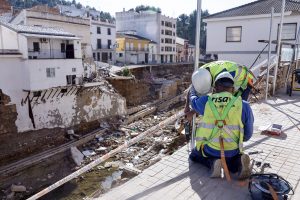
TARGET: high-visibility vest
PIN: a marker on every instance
(222, 118)
(242, 76)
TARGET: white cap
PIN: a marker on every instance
(227, 76)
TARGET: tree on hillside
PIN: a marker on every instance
(145, 8)
(186, 27)
(182, 26)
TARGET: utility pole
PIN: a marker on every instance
(198, 31)
(196, 65)
(269, 53)
(278, 45)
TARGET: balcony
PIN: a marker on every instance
(137, 49)
(51, 54)
(48, 73)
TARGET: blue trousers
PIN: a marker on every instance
(233, 163)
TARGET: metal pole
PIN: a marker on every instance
(198, 31)
(269, 53)
(297, 47)
(196, 66)
(278, 45)
(108, 155)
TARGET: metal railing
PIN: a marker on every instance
(50, 54)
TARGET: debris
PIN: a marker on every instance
(101, 149)
(99, 138)
(88, 153)
(18, 188)
(10, 195)
(112, 164)
(72, 135)
(77, 156)
(134, 134)
(131, 169)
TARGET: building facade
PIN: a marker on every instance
(41, 73)
(49, 17)
(154, 26)
(103, 35)
(185, 51)
(132, 49)
(234, 34)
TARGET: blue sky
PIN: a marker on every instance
(171, 8)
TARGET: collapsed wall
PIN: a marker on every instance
(156, 82)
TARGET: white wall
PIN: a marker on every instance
(104, 38)
(37, 77)
(77, 26)
(56, 111)
(8, 39)
(253, 29)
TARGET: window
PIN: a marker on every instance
(73, 69)
(162, 40)
(109, 44)
(110, 56)
(50, 72)
(162, 31)
(288, 31)
(98, 56)
(120, 55)
(234, 34)
(99, 46)
(173, 48)
(71, 79)
(162, 49)
(36, 46)
(108, 31)
(173, 33)
(63, 47)
(94, 56)
(98, 30)
(173, 25)
(162, 23)
(173, 41)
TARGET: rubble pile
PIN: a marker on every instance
(148, 151)
(260, 85)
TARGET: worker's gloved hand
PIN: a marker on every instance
(189, 115)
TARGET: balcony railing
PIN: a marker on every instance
(137, 49)
(50, 54)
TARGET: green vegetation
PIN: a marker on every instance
(145, 8)
(186, 27)
(21, 4)
(126, 72)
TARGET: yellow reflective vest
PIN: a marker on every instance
(222, 117)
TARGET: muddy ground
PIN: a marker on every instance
(101, 178)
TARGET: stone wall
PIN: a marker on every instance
(8, 115)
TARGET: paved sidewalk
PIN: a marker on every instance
(175, 177)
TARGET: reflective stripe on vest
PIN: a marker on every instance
(232, 132)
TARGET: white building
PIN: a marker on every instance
(154, 26)
(103, 35)
(49, 17)
(234, 34)
(46, 57)
(103, 32)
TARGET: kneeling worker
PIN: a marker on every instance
(227, 122)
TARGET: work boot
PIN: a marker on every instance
(215, 171)
(244, 168)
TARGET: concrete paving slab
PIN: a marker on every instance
(178, 178)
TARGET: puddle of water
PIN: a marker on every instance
(109, 181)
